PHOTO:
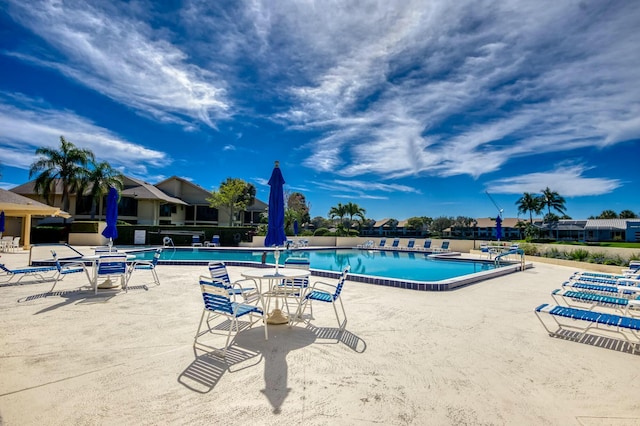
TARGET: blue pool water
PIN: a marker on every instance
(399, 265)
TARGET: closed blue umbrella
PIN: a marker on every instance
(275, 228)
(1, 222)
(498, 228)
(111, 231)
(295, 227)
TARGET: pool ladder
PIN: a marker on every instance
(496, 260)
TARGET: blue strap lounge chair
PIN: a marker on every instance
(218, 304)
(147, 265)
(67, 268)
(196, 241)
(592, 299)
(215, 241)
(583, 321)
(383, 242)
(426, 246)
(410, 245)
(26, 271)
(396, 243)
(327, 293)
(444, 248)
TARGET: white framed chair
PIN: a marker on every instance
(15, 244)
(327, 293)
(67, 268)
(109, 266)
(220, 303)
(295, 288)
(218, 272)
(147, 265)
(196, 241)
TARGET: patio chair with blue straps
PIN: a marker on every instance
(218, 272)
(147, 265)
(67, 268)
(219, 302)
(327, 293)
(383, 242)
(111, 266)
(294, 288)
(36, 272)
(396, 243)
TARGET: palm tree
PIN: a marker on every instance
(338, 211)
(68, 165)
(529, 203)
(552, 200)
(352, 210)
(627, 214)
(607, 214)
(100, 178)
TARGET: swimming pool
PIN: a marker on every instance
(394, 268)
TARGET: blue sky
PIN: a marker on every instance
(407, 108)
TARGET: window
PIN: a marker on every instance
(128, 206)
(83, 204)
(167, 209)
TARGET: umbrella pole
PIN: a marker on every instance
(276, 316)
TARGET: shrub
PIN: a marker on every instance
(529, 249)
(579, 254)
(597, 257)
(322, 232)
(615, 260)
(554, 253)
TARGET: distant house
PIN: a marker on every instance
(486, 228)
(174, 201)
(592, 230)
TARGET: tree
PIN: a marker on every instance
(320, 222)
(530, 203)
(352, 210)
(337, 211)
(68, 165)
(234, 195)
(552, 200)
(607, 214)
(627, 214)
(441, 223)
(297, 202)
(100, 178)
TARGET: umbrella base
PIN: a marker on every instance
(277, 317)
(108, 284)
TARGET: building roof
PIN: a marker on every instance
(490, 222)
(619, 224)
(16, 205)
(380, 223)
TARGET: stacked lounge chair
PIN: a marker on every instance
(596, 305)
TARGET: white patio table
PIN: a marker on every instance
(272, 276)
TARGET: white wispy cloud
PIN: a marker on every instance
(28, 125)
(447, 88)
(568, 180)
(108, 48)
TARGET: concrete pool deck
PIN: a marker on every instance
(475, 355)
